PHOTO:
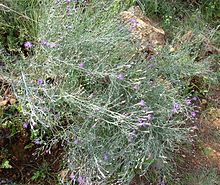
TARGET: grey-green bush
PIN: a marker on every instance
(115, 112)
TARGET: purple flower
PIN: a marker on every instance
(67, 1)
(80, 180)
(134, 24)
(141, 122)
(94, 125)
(131, 28)
(28, 44)
(149, 117)
(47, 151)
(68, 10)
(132, 20)
(56, 116)
(176, 106)
(76, 141)
(25, 125)
(105, 157)
(81, 65)
(120, 77)
(174, 110)
(39, 82)
(141, 103)
(36, 142)
(43, 42)
(52, 45)
(193, 114)
(194, 127)
(188, 102)
(163, 183)
(72, 176)
(136, 87)
(194, 98)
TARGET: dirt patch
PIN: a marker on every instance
(210, 137)
(25, 166)
(21, 160)
(204, 153)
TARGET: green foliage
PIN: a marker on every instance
(99, 112)
(40, 174)
(171, 13)
(5, 164)
(202, 177)
(211, 10)
(18, 20)
(84, 84)
(11, 119)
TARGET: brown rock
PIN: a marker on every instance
(3, 103)
(143, 31)
(12, 101)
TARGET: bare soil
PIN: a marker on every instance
(26, 162)
(204, 153)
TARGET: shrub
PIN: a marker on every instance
(116, 112)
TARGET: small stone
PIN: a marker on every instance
(172, 49)
(3, 103)
(204, 101)
(12, 101)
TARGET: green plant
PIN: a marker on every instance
(202, 177)
(175, 14)
(116, 113)
(210, 10)
(5, 164)
(38, 175)
(18, 20)
(11, 120)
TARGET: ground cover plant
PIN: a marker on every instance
(18, 23)
(115, 112)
